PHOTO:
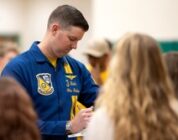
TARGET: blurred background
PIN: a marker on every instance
(24, 21)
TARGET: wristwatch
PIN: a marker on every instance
(68, 128)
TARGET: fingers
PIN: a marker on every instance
(81, 120)
(86, 114)
(90, 109)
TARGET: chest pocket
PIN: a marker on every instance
(72, 83)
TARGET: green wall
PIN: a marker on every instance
(167, 46)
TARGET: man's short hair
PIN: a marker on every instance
(67, 16)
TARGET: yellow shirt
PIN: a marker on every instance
(53, 62)
(103, 74)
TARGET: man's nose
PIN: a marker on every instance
(74, 45)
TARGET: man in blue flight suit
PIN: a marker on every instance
(55, 81)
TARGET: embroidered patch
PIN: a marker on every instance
(45, 86)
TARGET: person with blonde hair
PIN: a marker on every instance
(135, 102)
(18, 118)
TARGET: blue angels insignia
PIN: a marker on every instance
(45, 86)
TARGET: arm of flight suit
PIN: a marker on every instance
(89, 90)
(16, 71)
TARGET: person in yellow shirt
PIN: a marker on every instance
(98, 53)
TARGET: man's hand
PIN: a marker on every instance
(81, 120)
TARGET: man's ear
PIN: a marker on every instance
(54, 28)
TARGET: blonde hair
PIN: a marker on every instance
(138, 91)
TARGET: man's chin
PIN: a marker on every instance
(62, 54)
(66, 52)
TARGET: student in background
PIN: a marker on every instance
(135, 102)
(17, 116)
(171, 59)
(98, 53)
(8, 50)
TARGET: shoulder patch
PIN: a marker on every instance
(45, 86)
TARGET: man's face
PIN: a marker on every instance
(98, 61)
(94, 61)
(64, 40)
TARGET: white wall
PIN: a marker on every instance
(11, 16)
(155, 17)
(109, 19)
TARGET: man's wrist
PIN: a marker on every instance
(68, 128)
